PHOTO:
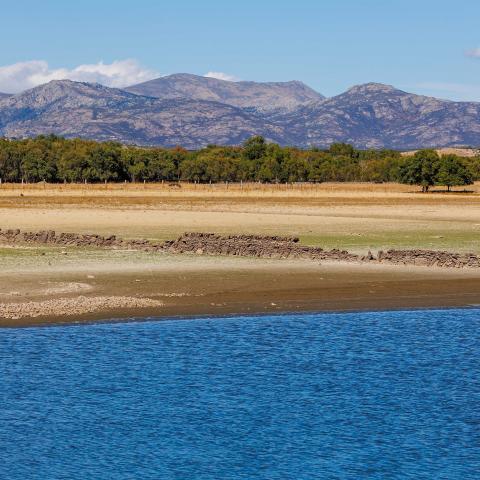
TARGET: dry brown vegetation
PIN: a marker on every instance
(353, 216)
(461, 152)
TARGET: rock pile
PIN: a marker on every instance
(253, 246)
(50, 237)
(429, 258)
(243, 246)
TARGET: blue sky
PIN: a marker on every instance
(424, 46)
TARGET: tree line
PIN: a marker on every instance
(55, 159)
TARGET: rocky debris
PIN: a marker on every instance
(253, 246)
(429, 258)
(50, 237)
(368, 257)
(196, 243)
(73, 306)
(242, 246)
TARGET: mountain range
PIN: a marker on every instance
(262, 97)
(194, 111)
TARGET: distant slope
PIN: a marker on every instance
(375, 115)
(251, 95)
(74, 109)
(4, 95)
(367, 116)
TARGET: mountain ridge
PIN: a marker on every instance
(370, 115)
(375, 115)
(261, 96)
(79, 109)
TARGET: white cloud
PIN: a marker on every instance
(474, 53)
(122, 73)
(222, 76)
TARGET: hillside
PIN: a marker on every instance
(375, 115)
(367, 116)
(74, 109)
(264, 97)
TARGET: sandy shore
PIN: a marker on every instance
(188, 285)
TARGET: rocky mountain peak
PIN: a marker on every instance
(261, 96)
(66, 92)
(373, 88)
(194, 111)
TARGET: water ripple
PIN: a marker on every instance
(387, 395)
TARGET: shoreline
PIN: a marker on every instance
(251, 315)
(215, 287)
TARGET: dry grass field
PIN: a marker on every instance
(353, 216)
(461, 152)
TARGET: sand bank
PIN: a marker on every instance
(188, 286)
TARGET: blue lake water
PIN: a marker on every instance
(389, 395)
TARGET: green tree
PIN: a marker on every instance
(271, 164)
(55, 159)
(294, 167)
(10, 161)
(254, 148)
(163, 165)
(452, 171)
(343, 149)
(420, 169)
(73, 160)
(138, 170)
(473, 166)
(37, 167)
(194, 169)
